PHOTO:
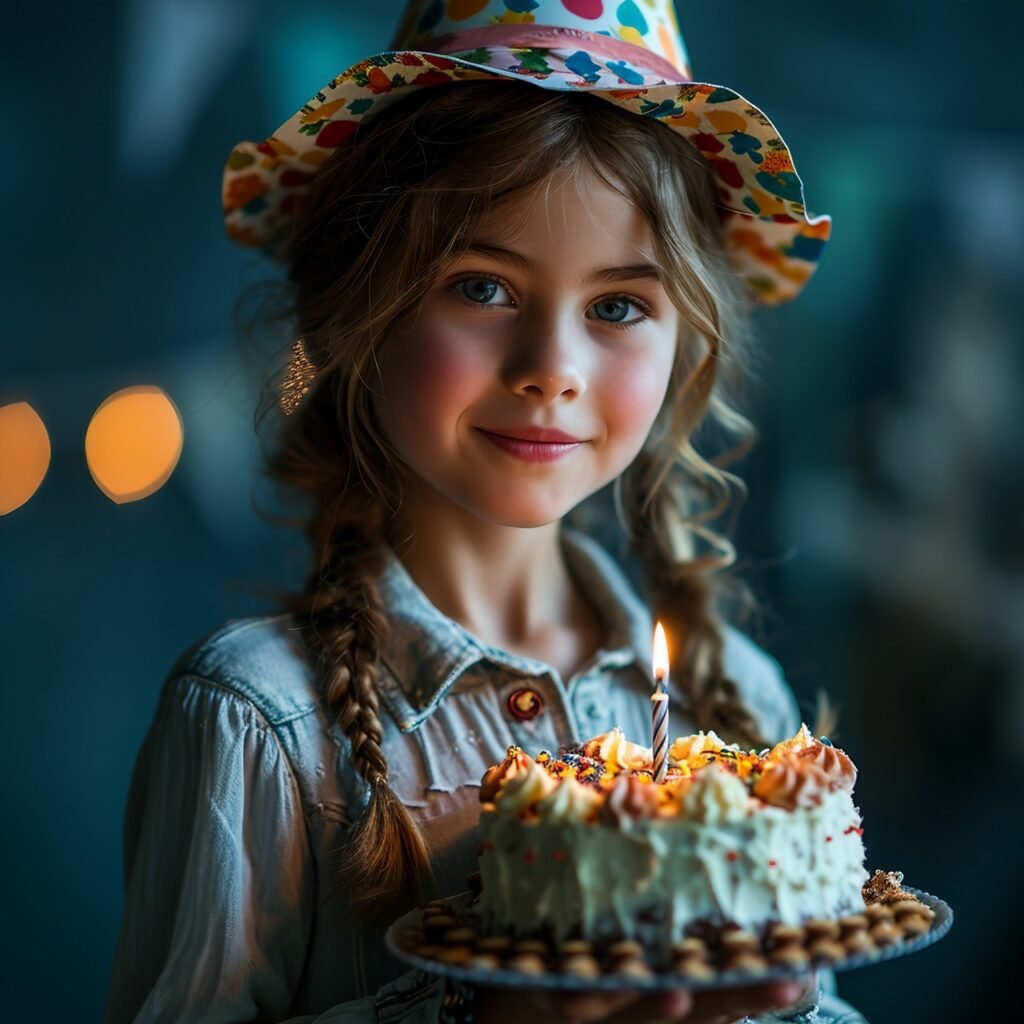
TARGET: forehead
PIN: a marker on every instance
(575, 214)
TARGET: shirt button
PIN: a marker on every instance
(525, 704)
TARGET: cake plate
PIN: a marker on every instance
(401, 941)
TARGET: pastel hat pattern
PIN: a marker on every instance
(629, 53)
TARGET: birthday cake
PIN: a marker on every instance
(587, 845)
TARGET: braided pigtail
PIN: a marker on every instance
(385, 867)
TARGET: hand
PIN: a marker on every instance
(722, 1006)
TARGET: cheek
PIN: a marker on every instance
(631, 397)
(429, 378)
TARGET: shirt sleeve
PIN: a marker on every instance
(219, 877)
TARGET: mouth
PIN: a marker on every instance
(540, 435)
(530, 450)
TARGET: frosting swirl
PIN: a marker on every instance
(495, 776)
(715, 796)
(800, 740)
(798, 772)
(527, 787)
(628, 800)
(617, 752)
(569, 801)
(685, 747)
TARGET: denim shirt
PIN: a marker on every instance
(242, 793)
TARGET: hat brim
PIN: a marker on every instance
(772, 240)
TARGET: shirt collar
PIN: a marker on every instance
(426, 651)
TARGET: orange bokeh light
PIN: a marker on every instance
(24, 454)
(133, 443)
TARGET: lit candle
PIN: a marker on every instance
(659, 712)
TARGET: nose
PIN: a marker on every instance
(545, 359)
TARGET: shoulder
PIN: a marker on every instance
(252, 675)
(259, 659)
(762, 684)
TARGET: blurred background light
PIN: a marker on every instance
(133, 443)
(24, 454)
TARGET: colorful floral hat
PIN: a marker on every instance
(630, 53)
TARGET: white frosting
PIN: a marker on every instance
(569, 801)
(526, 788)
(617, 752)
(726, 856)
(690, 746)
(716, 797)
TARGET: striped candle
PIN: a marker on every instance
(659, 711)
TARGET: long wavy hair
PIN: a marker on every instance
(382, 220)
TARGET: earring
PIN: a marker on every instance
(298, 378)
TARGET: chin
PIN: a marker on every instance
(528, 522)
(523, 515)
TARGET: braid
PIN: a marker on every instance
(385, 865)
(683, 600)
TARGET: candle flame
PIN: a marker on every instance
(660, 653)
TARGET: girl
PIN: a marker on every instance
(511, 299)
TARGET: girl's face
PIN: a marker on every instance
(555, 318)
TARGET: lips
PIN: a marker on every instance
(528, 450)
(543, 435)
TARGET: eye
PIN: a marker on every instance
(480, 291)
(613, 311)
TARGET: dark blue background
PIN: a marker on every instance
(883, 529)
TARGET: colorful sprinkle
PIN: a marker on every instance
(732, 856)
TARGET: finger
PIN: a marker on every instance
(594, 1005)
(624, 1007)
(735, 1003)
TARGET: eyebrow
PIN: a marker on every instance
(605, 275)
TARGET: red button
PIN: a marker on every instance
(525, 704)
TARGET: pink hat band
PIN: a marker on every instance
(558, 37)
